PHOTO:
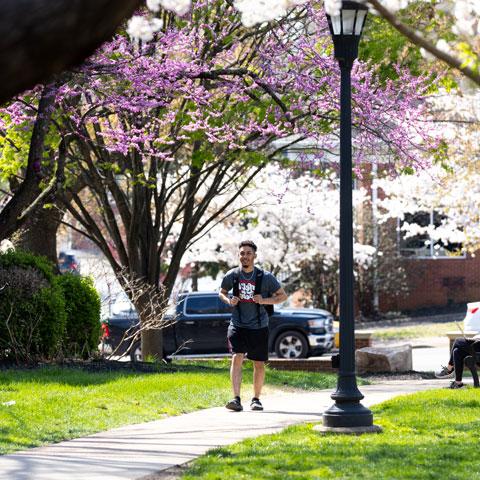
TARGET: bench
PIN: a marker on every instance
(363, 338)
(454, 334)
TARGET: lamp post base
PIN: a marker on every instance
(348, 430)
(347, 414)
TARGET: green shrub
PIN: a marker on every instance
(82, 305)
(32, 307)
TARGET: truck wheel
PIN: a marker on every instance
(136, 353)
(291, 344)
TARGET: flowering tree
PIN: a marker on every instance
(80, 31)
(450, 190)
(167, 134)
(290, 217)
(457, 42)
(457, 227)
(457, 20)
(406, 91)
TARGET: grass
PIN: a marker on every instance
(54, 404)
(414, 331)
(428, 435)
(275, 378)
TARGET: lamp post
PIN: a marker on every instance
(347, 411)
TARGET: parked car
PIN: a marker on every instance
(471, 322)
(201, 322)
(67, 263)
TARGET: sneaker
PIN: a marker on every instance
(234, 405)
(256, 404)
(454, 385)
(444, 372)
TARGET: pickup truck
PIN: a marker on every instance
(201, 319)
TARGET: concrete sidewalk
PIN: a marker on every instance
(136, 451)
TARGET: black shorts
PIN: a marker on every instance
(253, 342)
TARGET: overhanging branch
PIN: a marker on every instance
(42, 37)
(417, 39)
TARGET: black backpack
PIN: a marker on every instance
(258, 289)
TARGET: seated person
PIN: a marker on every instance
(462, 348)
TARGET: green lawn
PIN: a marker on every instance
(53, 404)
(414, 331)
(429, 435)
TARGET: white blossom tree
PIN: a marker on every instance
(450, 190)
(294, 220)
(291, 217)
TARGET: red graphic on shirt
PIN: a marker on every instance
(246, 290)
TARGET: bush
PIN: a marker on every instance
(82, 305)
(32, 307)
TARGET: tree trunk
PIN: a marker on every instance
(39, 233)
(152, 345)
(195, 273)
(150, 307)
(11, 216)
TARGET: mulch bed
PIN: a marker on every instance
(103, 365)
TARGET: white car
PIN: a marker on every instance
(471, 323)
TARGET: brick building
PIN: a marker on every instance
(437, 282)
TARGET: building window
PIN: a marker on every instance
(416, 239)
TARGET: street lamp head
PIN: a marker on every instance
(346, 29)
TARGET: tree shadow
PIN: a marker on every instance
(92, 374)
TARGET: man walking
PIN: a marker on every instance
(253, 293)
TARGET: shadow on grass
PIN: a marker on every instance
(91, 374)
(97, 373)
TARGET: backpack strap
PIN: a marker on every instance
(236, 283)
(236, 290)
(258, 291)
(258, 281)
